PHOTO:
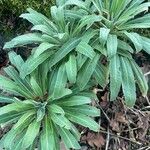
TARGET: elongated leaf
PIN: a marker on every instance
(58, 84)
(86, 50)
(84, 109)
(89, 20)
(61, 121)
(35, 86)
(100, 75)
(83, 120)
(140, 78)
(24, 40)
(115, 77)
(43, 28)
(10, 116)
(15, 59)
(81, 59)
(86, 71)
(55, 109)
(9, 108)
(124, 46)
(31, 134)
(136, 39)
(42, 48)
(74, 101)
(22, 84)
(64, 50)
(104, 32)
(8, 84)
(146, 44)
(69, 140)
(128, 82)
(71, 69)
(124, 53)
(24, 120)
(47, 137)
(37, 19)
(89, 34)
(31, 64)
(112, 45)
(4, 99)
(75, 2)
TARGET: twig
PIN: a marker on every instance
(147, 148)
(118, 136)
(146, 74)
(147, 99)
(105, 114)
(108, 137)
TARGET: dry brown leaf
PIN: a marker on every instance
(95, 139)
(120, 117)
(104, 100)
(115, 125)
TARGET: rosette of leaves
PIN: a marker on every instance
(93, 31)
(117, 40)
(42, 109)
(61, 39)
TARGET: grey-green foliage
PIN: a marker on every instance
(84, 33)
(43, 108)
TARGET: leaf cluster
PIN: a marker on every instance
(83, 44)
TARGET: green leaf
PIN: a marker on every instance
(74, 101)
(128, 82)
(40, 113)
(83, 120)
(125, 46)
(42, 48)
(100, 75)
(31, 64)
(15, 59)
(31, 134)
(24, 120)
(112, 45)
(47, 136)
(136, 39)
(86, 72)
(104, 32)
(140, 78)
(75, 2)
(8, 84)
(37, 19)
(24, 40)
(124, 53)
(86, 50)
(146, 44)
(23, 85)
(9, 116)
(8, 108)
(85, 110)
(142, 22)
(71, 69)
(115, 77)
(89, 20)
(89, 34)
(4, 99)
(55, 109)
(61, 121)
(64, 50)
(69, 140)
(43, 28)
(58, 84)
(81, 59)
(57, 14)
(35, 86)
